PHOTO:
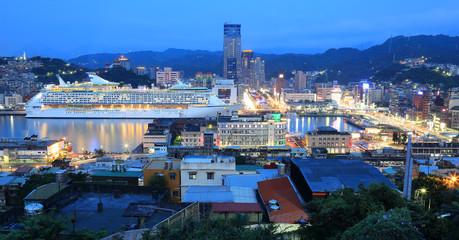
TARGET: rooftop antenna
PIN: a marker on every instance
(408, 171)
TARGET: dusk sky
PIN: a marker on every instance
(68, 29)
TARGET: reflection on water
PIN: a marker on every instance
(113, 134)
(85, 134)
(306, 124)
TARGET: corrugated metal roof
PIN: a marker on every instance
(327, 175)
(281, 190)
(45, 191)
(243, 195)
(220, 194)
(208, 194)
(245, 180)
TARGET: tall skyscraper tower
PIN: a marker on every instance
(232, 55)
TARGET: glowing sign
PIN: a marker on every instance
(366, 86)
(420, 93)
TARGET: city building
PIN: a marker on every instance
(166, 77)
(324, 91)
(205, 171)
(300, 80)
(140, 70)
(30, 150)
(170, 170)
(421, 103)
(299, 97)
(253, 70)
(375, 95)
(122, 62)
(204, 80)
(328, 138)
(451, 108)
(152, 71)
(157, 134)
(232, 57)
(252, 132)
(453, 117)
(193, 134)
(226, 91)
(13, 100)
(247, 72)
(435, 149)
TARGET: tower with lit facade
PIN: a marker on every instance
(232, 55)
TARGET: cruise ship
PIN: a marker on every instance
(100, 98)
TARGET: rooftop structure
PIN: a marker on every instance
(318, 177)
(281, 201)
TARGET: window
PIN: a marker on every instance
(172, 176)
(210, 175)
(175, 193)
(192, 175)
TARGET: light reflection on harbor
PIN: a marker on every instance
(113, 134)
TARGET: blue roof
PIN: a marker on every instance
(208, 194)
(389, 171)
(220, 194)
(245, 180)
(331, 174)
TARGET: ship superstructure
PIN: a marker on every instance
(100, 98)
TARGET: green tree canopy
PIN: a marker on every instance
(157, 181)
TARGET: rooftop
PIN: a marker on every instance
(220, 194)
(192, 128)
(160, 164)
(207, 159)
(6, 180)
(332, 174)
(326, 130)
(117, 174)
(281, 190)
(21, 143)
(248, 167)
(244, 180)
(45, 191)
(111, 218)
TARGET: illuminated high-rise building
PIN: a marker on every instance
(232, 55)
(253, 69)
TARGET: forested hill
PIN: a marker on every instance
(344, 64)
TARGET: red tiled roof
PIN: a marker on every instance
(282, 191)
(236, 207)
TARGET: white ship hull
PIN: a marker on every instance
(191, 112)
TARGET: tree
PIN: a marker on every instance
(33, 182)
(79, 177)
(49, 227)
(241, 160)
(213, 230)
(391, 224)
(43, 226)
(403, 137)
(435, 187)
(99, 152)
(395, 137)
(157, 181)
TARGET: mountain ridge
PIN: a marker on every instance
(344, 64)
